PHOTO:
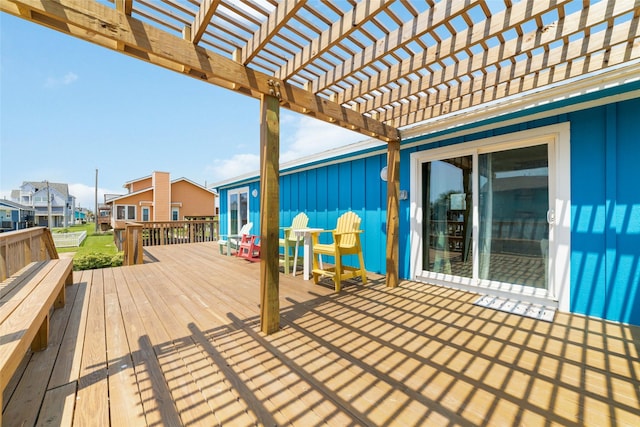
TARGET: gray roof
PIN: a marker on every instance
(14, 205)
(59, 187)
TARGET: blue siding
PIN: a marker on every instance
(224, 212)
(605, 211)
(625, 300)
(588, 216)
(605, 262)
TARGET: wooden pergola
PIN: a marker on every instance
(372, 66)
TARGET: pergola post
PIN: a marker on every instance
(269, 213)
(393, 208)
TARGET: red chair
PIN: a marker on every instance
(249, 248)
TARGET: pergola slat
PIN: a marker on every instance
(346, 25)
(270, 28)
(480, 32)
(204, 15)
(531, 74)
(423, 109)
(494, 56)
(398, 38)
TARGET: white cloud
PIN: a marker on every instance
(67, 79)
(301, 136)
(237, 165)
(5, 194)
(311, 136)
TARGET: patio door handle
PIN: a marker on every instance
(551, 216)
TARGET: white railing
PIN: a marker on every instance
(69, 240)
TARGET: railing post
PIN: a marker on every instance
(133, 253)
(139, 247)
(3, 260)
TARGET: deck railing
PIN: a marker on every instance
(135, 235)
(19, 248)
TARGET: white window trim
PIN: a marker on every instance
(559, 254)
(176, 210)
(126, 210)
(237, 191)
(148, 210)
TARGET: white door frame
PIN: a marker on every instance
(236, 191)
(558, 138)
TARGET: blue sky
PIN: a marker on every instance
(68, 107)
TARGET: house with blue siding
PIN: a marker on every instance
(14, 216)
(533, 198)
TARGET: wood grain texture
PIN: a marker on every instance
(416, 354)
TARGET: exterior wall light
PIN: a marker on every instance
(383, 173)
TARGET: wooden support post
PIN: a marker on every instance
(61, 298)
(41, 340)
(269, 213)
(393, 208)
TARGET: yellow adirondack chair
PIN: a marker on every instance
(290, 239)
(346, 241)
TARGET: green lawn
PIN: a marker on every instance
(94, 243)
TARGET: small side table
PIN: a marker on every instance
(306, 233)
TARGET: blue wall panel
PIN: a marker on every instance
(374, 219)
(224, 213)
(588, 213)
(623, 291)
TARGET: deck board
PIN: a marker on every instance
(92, 403)
(177, 341)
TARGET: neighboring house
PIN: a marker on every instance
(47, 198)
(157, 198)
(14, 216)
(534, 199)
(82, 215)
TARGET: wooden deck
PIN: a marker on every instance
(176, 342)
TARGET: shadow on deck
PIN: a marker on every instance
(176, 342)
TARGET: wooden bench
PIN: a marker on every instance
(26, 300)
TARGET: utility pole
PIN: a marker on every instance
(49, 206)
(95, 212)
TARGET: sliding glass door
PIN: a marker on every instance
(493, 200)
(513, 205)
(448, 224)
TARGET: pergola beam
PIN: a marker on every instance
(105, 26)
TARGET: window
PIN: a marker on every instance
(175, 214)
(125, 212)
(145, 214)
